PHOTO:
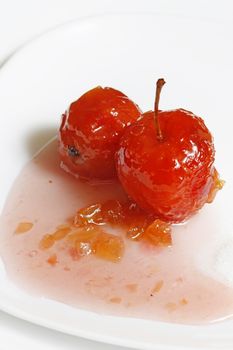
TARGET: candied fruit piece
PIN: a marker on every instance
(52, 260)
(83, 239)
(112, 211)
(89, 215)
(83, 248)
(137, 227)
(85, 234)
(135, 232)
(217, 185)
(183, 301)
(61, 233)
(115, 300)
(108, 247)
(158, 233)
(23, 227)
(157, 287)
(46, 242)
(132, 287)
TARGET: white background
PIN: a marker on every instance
(21, 21)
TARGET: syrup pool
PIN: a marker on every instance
(168, 284)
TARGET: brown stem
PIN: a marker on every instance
(159, 85)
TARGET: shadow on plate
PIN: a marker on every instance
(39, 138)
(47, 337)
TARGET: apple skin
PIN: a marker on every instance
(90, 131)
(170, 178)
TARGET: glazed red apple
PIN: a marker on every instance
(165, 163)
(90, 132)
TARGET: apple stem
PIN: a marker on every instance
(159, 85)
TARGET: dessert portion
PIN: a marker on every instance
(111, 246)
(90, 131)
(165, 162)
(163, 159)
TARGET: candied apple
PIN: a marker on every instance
(90, 132)
(165, 162)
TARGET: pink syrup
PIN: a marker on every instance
(165, 285)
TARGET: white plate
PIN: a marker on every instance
(128, 52)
